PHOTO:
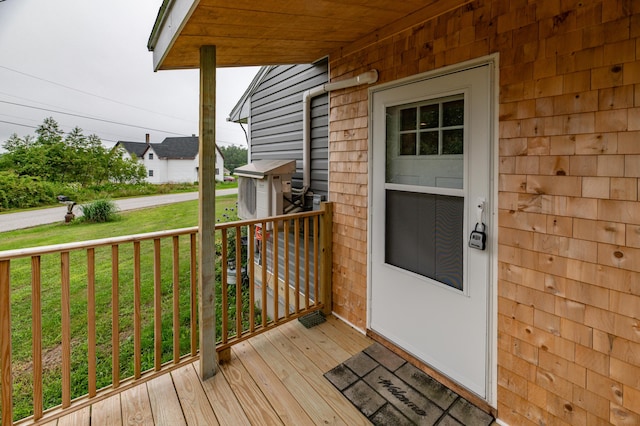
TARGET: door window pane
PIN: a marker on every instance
(408, 146)
(453, 113)
(424, 235)
(429, 143)
(452, 142)
(408, 119)
(429, 116)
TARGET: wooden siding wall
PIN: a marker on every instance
(569, 216)
(276, 120)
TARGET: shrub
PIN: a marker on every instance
(24, 191)
(100, 211)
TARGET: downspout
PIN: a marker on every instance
(368, 77)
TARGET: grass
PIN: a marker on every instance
(180, 215)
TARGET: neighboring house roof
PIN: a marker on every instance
(177, 148)
(173, 148)
(137, 148)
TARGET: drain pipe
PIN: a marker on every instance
(368, 77)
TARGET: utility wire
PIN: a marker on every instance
(62, 124)
(35, 127)
(37, 102)
(92, 118)
(93, 94)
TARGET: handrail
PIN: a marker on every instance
(279, 274)
(78, 245)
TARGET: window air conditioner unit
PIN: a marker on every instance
(262, 186)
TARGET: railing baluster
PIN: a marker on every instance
(316, 219)
(238, 260)
(194, 283)
(137, 312)
(251, 260)
(263, 262)
(223, 288)
(157, 306)
(238, 255)
(91, 320)
(66, 328)
(307, 287)
(296, 250)
(287, 287)
(176, 299)
(36, 334)
(238, 296)
(5, 344)
(276, 282)
(115, 316)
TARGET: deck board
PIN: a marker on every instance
(224, 402)
(253, 401)
(165, 404)
(136, 408)
(80, 417)
(334, 351)
(107, 412)
(273, 378)
(304, 392)
(321, 358)
(195, 405)
(280, 398)
(313, 375)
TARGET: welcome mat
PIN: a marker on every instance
(390, 391)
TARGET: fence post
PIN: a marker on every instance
(326, 254)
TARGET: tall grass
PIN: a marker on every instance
(100, 211)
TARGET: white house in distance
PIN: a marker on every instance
(174, 160)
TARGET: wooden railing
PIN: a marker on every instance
(124, 309)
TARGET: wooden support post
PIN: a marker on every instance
(326, 254)
(207, 213)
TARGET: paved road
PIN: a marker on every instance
(11, 221)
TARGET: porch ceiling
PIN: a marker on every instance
(269, 32)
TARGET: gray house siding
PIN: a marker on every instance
(276, 121)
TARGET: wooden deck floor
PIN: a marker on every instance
(272, 379)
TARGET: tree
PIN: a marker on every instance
(234, 156)
(74, 158)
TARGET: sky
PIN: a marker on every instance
(89, 58)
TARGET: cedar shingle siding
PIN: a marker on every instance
(569, 217)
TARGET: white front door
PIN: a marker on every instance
(431, 183)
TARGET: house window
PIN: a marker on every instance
(217, 171)
(150, 156)
(430, 128)
(150, 173)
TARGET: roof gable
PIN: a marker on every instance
(137, 148)
(177, 147)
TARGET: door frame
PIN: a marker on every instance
(492, 240)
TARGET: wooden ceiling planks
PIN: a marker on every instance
(247, 32)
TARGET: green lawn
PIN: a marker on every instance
(171, 216)
(166, 217)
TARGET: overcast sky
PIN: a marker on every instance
(90, 58)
